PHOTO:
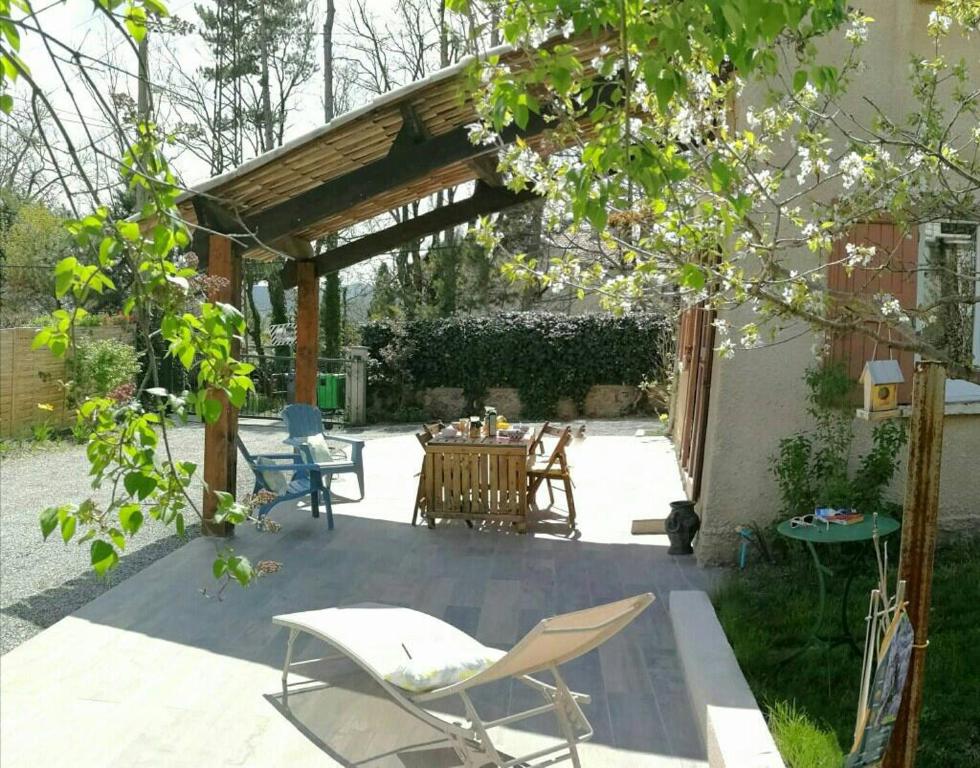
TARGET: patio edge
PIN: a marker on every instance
(734, 730)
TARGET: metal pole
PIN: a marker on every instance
(919, 523)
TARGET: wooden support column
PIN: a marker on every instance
(920, 517)
(220, 451)
(307, 331)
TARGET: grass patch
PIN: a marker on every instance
(811, 702)
(800, 740)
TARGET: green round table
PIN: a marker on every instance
(818, 533)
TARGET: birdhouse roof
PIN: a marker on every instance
(882, 372)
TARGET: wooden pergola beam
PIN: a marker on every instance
(220, 449)
(405, 163)
(485, 200)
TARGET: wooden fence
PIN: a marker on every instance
(29, 378)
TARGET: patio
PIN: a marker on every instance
(154, 673)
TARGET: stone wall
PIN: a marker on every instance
(603, 401)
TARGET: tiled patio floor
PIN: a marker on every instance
(153, 673)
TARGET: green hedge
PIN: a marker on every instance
(545, 356)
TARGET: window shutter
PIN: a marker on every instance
(898, 278)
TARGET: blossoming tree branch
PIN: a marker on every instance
(689, 198)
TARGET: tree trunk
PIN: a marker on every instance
(328, 99)
(330, 317)
(268, 137)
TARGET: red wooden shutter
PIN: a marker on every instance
(899, 258)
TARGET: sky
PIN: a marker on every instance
(75, 23)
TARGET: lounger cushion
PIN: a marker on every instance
(410, 649)
(438, 667)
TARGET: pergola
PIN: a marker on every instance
(404, 146)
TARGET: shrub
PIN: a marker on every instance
(545, 356)
(102, 366)
(812, 467)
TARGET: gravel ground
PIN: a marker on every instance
(42, 582)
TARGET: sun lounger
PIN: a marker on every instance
(383, 639)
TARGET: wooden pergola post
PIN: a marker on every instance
(919, 526)
(220, 451)
(307, 331)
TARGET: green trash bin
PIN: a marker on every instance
(330, 391)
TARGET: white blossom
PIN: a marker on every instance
(568, 28)
(889, 305)
(939, 23)
(858, 31)
(852, 168)
(858, 255)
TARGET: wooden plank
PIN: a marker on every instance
(394, 170)
(465, 484)
(919, 528)
(219, 436)
(485, 200)
(307, 331)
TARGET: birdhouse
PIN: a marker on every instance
(881, 379)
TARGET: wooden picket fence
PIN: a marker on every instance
(30, 378)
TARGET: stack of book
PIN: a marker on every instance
(839, 516)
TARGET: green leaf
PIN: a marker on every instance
(692, 276)
(179, 523)
(664, 87)
(241, 569)
(103, 556)
(6, 103)
(49, 521)
(139, 485)
(117, 538)
(129, 230)
(799, 80)
(130, 518)
(135, 22)
(64, 273)
(68, 524)
(219, 567)
(209, 409)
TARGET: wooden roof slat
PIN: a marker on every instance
(261, 190)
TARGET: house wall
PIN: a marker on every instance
(959, 488)
(759, 396)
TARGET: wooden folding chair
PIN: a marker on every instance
(554, 468)
(423, 437)
(537, 442)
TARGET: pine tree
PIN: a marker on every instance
(331, 320)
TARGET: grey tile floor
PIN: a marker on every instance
(170, 658)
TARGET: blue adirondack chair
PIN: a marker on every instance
(332, 454)
(287, 478)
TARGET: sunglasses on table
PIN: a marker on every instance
(808, 521)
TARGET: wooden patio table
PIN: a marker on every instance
(476, 479)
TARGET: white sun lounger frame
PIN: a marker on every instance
(550, 644)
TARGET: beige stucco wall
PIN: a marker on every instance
(758, 396)
(959, 488)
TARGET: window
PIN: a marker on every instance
(949, 270)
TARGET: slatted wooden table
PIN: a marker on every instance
(481, 479)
